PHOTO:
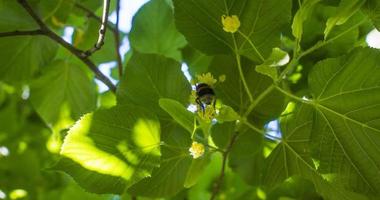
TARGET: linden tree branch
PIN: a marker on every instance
(113, 27)
(102, 31)
(44, 30)
(22, 33)
(91, 14)
(117, 39)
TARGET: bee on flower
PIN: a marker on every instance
(204, 95)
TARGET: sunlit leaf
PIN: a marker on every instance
(109, 150)
(169, 178)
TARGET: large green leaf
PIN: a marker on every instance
(111, 149)
(347, 95)
(261, 21)
(170, 177)
(148, 78)
(64, 90)
(154, 31)
(24, 56)
(292, 156)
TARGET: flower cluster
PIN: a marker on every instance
(205, 112)
(230, 23)
(197, 150)
(208, 114)
(207, 78)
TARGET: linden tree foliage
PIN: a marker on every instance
(214, 99)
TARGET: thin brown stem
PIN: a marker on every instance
(114, 28)
(219, 182)
(44, 30)
(117, 40)
(21, 33)
(91, 14)
(102, 30)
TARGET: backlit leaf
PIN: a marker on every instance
(110, 150)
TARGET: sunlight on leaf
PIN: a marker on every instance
(122, 141)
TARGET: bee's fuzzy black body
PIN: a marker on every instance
(205, 95)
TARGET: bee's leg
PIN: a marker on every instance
(198, 101)
(214, 102)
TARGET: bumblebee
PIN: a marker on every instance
(205, 95)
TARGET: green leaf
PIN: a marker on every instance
(148, 78)
(295, 188)
(179, 113)
(196, 61)
(169, 178)
(372, 9)
(346, 9)
(343, 38)
(227, 114)
(64, 90)
(73, 192)
(221, 133)
(90, 4)
(153, 31)
(302, 14)
(268, 68)
(261, 22)
(292, 156)
(111, 149)
(24, 56)
(346, 92)
(13, 17)
(246, 156)
(196, 170)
